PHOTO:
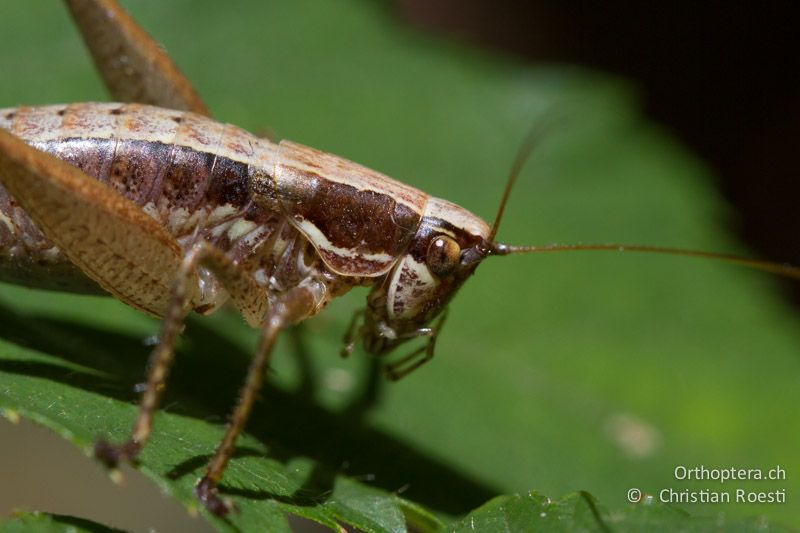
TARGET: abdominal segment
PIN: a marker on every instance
(189, 173)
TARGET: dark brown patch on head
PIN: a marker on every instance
(11, 115)
(115, 111)
(177, 120)
(61, 112)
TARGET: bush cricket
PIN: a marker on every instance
(170, 211)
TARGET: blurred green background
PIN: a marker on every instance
(599, 372)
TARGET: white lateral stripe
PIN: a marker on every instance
(321, 241)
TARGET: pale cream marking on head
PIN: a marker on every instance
(457, 216)
(423, 278)
(446, 232)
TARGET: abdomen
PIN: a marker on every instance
(186, 171)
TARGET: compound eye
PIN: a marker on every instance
(443, 255)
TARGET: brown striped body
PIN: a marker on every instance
(283, 212)
(169, 211)
(187, 172)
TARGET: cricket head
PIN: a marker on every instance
(449, 244)
(411, 299)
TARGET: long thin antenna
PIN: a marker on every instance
(533, 137)
(495, 248)
(767, 266)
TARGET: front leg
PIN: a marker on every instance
(408, 363)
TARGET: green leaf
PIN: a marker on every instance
(76, 394)
(599, 372)
(26, 522)
(576, 512)
(579, 512)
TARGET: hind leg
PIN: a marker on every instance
(133, 66)
(251, 300)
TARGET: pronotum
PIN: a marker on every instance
(187, 213)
